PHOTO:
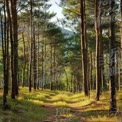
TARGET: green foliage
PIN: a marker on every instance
(23, 110)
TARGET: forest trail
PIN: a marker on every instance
(72, 112)
(75, 111)
(51, 110)
(62, 117)
(57, 106)
(68, 113)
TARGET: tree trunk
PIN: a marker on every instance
(45, 55)
(54, 66)
(4, 56)
(31, 47)
(71, 82)
(42, 82)
(98, 49)
(15, 46)
(51, 65)
(34, 59)
(8, 58)
(84, 47)
(113, 107)
(91, 68)
(120, 70)
(9, 33)
(38, 71)
(24, 61)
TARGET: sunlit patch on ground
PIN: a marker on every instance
(42, 105)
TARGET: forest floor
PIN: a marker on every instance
(58, 106)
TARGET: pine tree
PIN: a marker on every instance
(113, 107)
(84, 47)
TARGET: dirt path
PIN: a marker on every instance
(73, 112)
(51, 112)
(59, 114)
